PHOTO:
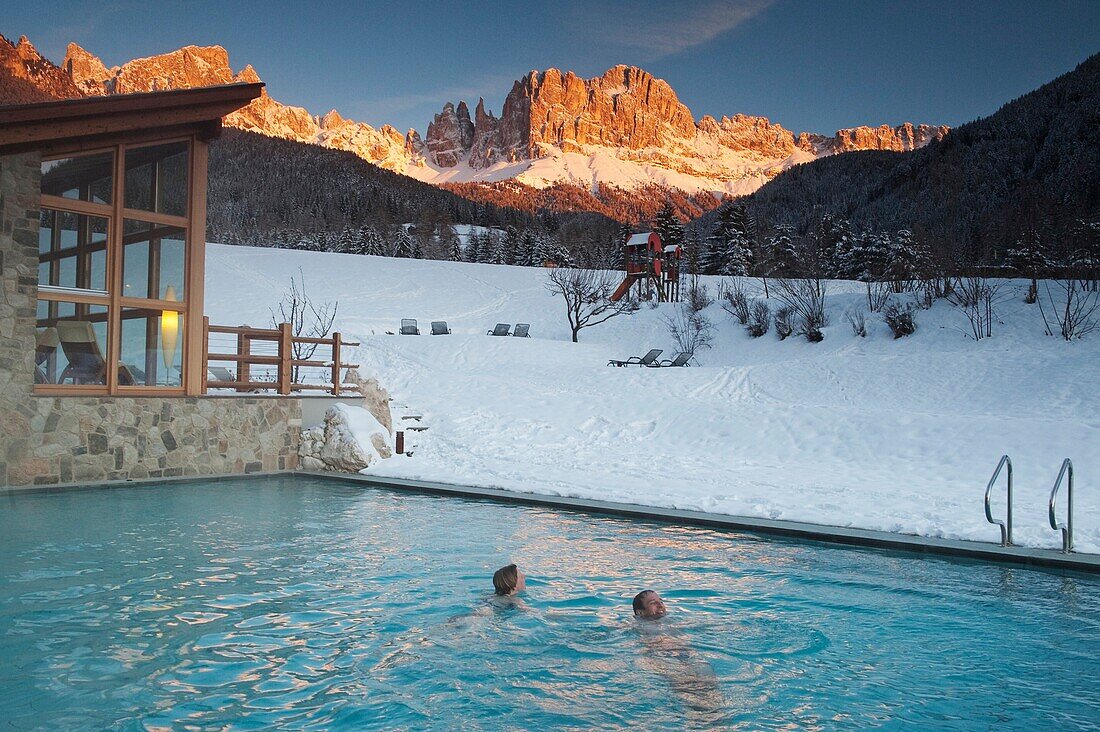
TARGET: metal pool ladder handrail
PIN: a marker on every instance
(1006, 528)
(1067, 527)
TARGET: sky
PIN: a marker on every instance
(810, 66)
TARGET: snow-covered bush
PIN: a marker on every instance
(734, 300)
(759, 319)
(858, 320)
(690, 329)
(783, 326)
(900, 318)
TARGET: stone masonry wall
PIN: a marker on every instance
(62, 439)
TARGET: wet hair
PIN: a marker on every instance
(639, 602)
(505, 579)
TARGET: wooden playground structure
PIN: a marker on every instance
(652, 264)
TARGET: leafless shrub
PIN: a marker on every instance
(977, 297)
(900, 318)
(877, 295)
(1074, 308)
(587, 296)
(760, 319)
(858, 320)
(734, 300)
(783, 327)
(806, 300)
(690, 329)
(698, 298)
(308, 319)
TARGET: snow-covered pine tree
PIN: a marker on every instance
(668, 226)
(371, 242)
(346, 243)
(524, 249)
(730, 251)
(511, 243)
(870, 253)
(402, 243)
(837, 245)
(473, 245)
(450, 244)
(906, 260)
(487, 249)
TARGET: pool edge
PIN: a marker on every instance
(1026, 556)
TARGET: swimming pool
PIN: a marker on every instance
(302, 603)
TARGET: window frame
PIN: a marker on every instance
(189, 304)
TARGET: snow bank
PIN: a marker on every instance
(869, 432)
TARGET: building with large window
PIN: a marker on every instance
(102, 247)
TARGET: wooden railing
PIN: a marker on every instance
(281, 356)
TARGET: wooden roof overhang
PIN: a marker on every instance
(71, 125)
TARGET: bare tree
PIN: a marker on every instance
(587, 295)
(307, 319)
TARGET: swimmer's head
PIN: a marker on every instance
(649, 606)
(509, 580)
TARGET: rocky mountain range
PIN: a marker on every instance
(626, 129)
(560, 140)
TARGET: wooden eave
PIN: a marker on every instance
(80, 124)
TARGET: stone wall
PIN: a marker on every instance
(83, 439)
(62, 439)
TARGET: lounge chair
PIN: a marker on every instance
(408, 327)
(220, 373)
(46, 343)
(86, 364)
(680, 360)
(522, 330)
(502, 329)
(78, 341)
(647, 360)
(439, 327)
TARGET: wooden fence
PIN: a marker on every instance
(282, 359)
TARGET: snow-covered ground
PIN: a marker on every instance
(869, 432)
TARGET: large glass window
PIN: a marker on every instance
(112, 268)
(156, 178)
(71, 344)
(152, 261)
(72, 250)
(81, 178)
(152, 348)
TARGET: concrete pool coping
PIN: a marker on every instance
(911, 543)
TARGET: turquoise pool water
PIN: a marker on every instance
(297, 603)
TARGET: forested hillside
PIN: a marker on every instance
(1031, 170)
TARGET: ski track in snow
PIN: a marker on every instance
(867, 432)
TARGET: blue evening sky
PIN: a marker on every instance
(811, 66)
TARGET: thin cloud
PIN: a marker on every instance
(494, 85)
(694, 25)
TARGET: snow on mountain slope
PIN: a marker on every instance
(875, 433)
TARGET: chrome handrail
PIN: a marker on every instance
(1067, 527)
(1006, 528)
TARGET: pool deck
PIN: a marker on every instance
(1027, 556)
(1049, 559)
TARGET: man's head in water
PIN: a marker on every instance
(648, 605)
(509, 580)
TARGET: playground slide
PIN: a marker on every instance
(622, 289)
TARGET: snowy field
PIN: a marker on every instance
(867, 432)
